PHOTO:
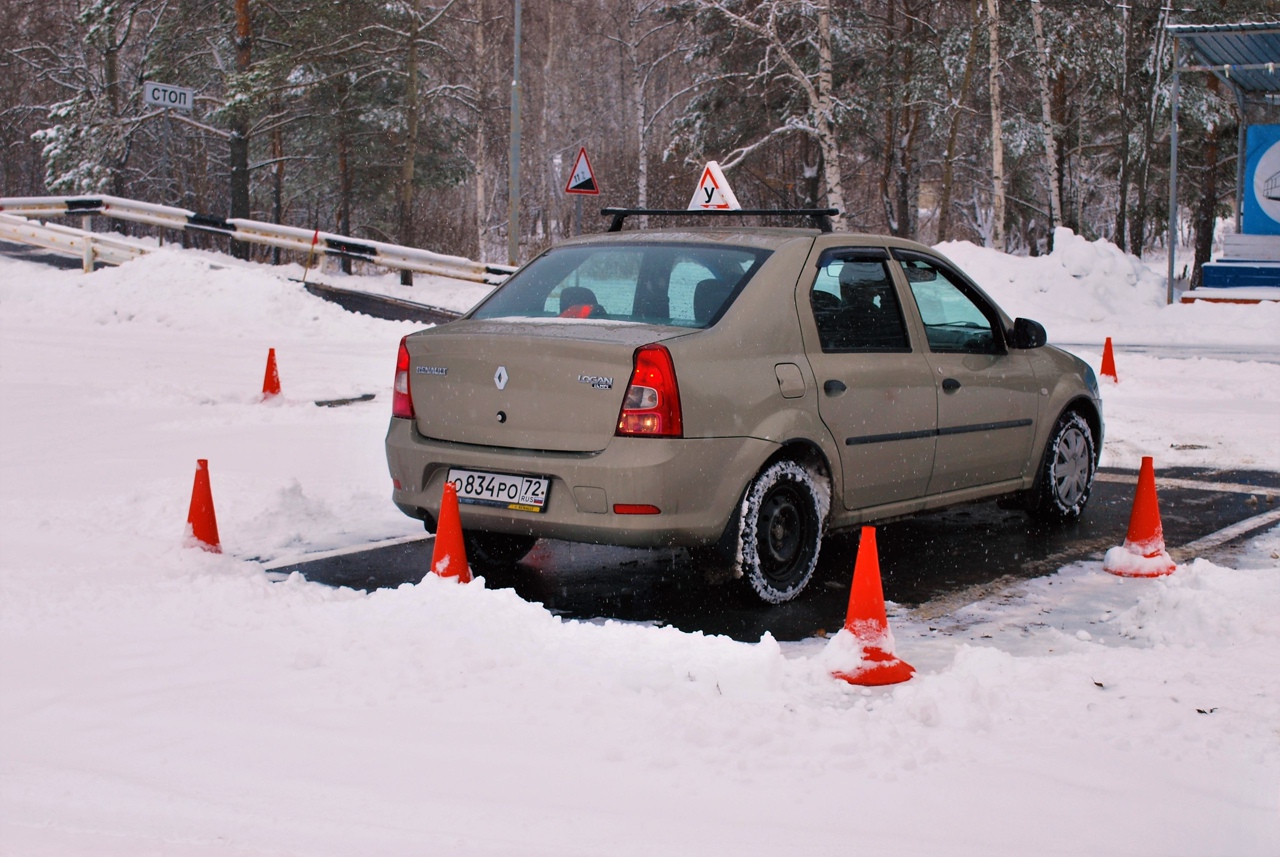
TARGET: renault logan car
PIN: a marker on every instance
(737, 391)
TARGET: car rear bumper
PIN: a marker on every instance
(696, 484)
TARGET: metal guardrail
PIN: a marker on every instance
(15, 225)
(90, 246)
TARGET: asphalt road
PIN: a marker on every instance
(931, 563)
(45, 257)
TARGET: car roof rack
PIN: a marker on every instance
(821, 217)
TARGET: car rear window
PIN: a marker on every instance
(685, 285)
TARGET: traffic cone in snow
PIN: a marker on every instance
(449, 559)
(867, 621)
(1143, 553)
(1109, 362)
(271, 381)
(202, 524)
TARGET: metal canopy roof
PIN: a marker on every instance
(1246, 56)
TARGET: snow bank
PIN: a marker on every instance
(1085, 291)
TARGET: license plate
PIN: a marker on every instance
(518, 493)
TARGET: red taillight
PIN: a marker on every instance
(401, 398)
(635, 509)
(652, 404)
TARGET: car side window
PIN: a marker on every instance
(954, 321)
(855, 304)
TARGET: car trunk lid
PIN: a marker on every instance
(552, 384)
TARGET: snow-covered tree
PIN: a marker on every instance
(97, 65)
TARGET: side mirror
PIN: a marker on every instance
(1027, 334)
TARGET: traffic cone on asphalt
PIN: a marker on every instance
(449, 559)
(271, 381)
(867, 621)
(202, 524)
(1109, 362)
(1143, 553)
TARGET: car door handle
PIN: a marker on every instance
(834, 387)
(950, 385)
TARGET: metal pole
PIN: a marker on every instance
(1173, 174)
(1242, 130)
(513, 189)
(577, 214)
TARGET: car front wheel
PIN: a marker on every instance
(780, 531)
(1066, 471)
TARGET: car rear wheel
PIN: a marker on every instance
(1066, 471)
(780, 531)
(495, 550)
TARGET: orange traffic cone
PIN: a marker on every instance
(1143, 553)
(867, 621)
(202, 524)
(1109, 362)
(449, 559)
(271, 381)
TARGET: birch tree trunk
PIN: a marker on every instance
(1138, 222)
(997, 135)
(277, 184)
(239, 144)
(1050, 145)
(953, 134)
(826, 119)
(404, 228)
(344, 191)
(639, 108)
(891, 116)
(479, 159)
(1122, 209)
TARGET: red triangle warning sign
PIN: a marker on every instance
(582, 179)
(713, 191)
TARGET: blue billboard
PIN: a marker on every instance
(1261, 214)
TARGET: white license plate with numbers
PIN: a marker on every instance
(520, 493)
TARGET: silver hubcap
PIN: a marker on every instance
(1071, 467)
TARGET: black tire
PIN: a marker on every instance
(1067, 469)
(780, 531)
(487, 551)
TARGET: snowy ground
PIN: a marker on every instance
(161, 700)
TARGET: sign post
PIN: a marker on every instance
(582, 182)
(168, 98)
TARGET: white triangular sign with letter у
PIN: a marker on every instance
(713, 191)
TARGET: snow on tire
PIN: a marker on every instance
(1066, 471)
(780, 530)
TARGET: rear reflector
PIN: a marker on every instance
(401, 397)
(635, 509)
(651, 407)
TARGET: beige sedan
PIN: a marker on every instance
(737, 391)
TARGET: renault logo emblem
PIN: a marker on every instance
(500, 378)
